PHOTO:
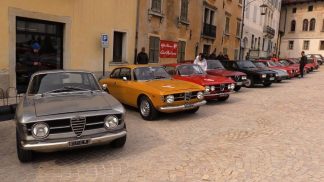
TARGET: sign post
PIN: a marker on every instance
(104, 44)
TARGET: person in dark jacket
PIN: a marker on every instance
(303, 62)
(220, 56)
(213, 56)
(142, 57)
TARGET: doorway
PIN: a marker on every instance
(39, 46)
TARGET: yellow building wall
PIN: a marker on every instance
(89, 19)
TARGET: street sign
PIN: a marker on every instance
(104, 40)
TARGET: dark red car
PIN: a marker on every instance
(216, 87)
(215, 67)
(292, 62)
(292, 71)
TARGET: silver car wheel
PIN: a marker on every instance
(145, 108)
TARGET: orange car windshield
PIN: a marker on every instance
(150, 73)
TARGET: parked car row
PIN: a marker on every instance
(64, 110)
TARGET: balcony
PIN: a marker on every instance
(209, 31)
(270, 32)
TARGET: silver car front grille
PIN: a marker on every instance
(78, 125)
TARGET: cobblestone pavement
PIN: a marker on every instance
(260, 134)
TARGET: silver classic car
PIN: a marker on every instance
(65, 110)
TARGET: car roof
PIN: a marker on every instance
(60, 71)
(133, 66)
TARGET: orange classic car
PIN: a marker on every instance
(152, 90)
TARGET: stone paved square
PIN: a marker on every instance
(259, 134)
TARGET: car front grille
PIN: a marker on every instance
(76, 124)
(185, 96)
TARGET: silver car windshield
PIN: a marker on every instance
(62, 82)
(150, 73)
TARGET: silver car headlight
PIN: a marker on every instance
(212, 88)
(200, 95)
(231, 86)
(40, 130)
(169, 99)
(111, 122)
(243, 77)
(207, 89)
(263, 76)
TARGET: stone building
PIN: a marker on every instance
(192, 26)
(302, 27)
(260, 30)
(65, 34)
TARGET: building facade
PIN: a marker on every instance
(302, 28)
(260, 30)
(37, 35)
(189, 26)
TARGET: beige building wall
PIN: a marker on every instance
(299, 36)
(84, 22)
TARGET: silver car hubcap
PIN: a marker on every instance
(248, 82)
(145, 108)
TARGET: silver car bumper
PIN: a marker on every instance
(182, 107)
(222, 94)
(48, 146)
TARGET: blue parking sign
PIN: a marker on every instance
(104, 40)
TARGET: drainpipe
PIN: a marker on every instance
(137, 29)
(242, 28)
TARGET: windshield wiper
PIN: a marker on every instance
(67, 88)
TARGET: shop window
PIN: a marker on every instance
(154, 51)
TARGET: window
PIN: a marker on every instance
(306, 45)
(170, 69)
(323, 26)
(224, 51)
(118, 52)
(263, 41)
(294, 10)
(206, 49)
(293, 26)
(227, 25)
(252, 41)
(291, 45)
(125, 72)
(209, 16)
(305, 25)
(154, 49)
(312, 24)
(259, 39)
(236, 54)
(247, 11)
(156, 6)
(322, 45)
(181, 50)
(184, 10)
(310, 8)
(238, 28)
(115, 73)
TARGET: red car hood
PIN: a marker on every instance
(205, 79)
(226, 73)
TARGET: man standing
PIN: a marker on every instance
(303, 62)
(142, 57)
(201, 61)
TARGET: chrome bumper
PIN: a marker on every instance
(182, 107)
(48, 146)
(219, 94)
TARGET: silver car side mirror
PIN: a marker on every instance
(124, 78)
(104, 87)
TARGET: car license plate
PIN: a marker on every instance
(239, 83)
(188, 106)
(272, 78)
(79, 142)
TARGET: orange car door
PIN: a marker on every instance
(112, 83)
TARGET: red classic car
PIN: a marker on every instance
(292, 71)
(215, 67)
(216, 87)
(293, 63)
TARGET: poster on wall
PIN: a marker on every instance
(168, 49)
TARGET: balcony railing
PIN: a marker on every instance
(269, 31)
(209, 30)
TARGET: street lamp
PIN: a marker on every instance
(263, 12)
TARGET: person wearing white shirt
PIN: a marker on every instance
(201, 61)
